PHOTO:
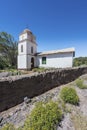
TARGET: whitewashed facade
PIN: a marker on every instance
(29, 58)
(57, 59)
(27, 48)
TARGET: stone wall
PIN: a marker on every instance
(13, 90)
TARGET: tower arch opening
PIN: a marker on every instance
(32, 62)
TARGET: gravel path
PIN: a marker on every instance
(82, 93)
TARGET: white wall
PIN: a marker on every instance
(27, 40)
(27, 36)
(29, 45)
(22, 62)
(24, 44)
(24, 58)
(23, 36)
(30, 55)
(29, 61)
(56, 60)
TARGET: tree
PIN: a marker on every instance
(3, 63)
(80, 61)
(8, 48)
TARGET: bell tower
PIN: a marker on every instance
(27, 48)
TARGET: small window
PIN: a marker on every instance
(31, 49)
(73, 54)
(43, 60)
(21, 48)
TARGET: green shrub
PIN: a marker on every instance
(20, 128)
(8, 127)
(80, 61)
(45, 116)
(69, 95)
(39, 70)
(3, 63)
(80, 83)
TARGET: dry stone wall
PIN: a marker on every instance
(14, 89)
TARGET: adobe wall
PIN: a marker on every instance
(14, 89)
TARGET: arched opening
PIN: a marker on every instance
(32, 62)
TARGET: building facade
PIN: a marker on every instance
(27, 48)
(28, 57)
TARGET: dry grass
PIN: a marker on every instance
(80, 83)
(79, 121)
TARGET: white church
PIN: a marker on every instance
(28, 57)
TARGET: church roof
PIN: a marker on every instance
(67, 50)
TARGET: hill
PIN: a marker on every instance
(80, 61)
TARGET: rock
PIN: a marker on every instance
(5, 74)
(27, 100)
(66, 124)
(1, 118)
(11, 114)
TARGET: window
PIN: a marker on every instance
(43, 60)
(21, 48)
(73, 54)
(31, 49)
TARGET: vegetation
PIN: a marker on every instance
(8, 51)
(69, 95)
(12, 72)
(80, 61)
(8, 127)
(42, 69)
(44, 117)
(38, 70)
(80, 83)
(3, 63)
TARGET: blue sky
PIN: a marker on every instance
(57, 24)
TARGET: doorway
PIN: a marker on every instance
(32, 63)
